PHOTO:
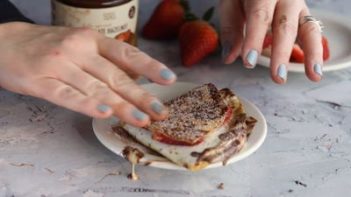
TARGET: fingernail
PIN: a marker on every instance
(226, 49)
(318, 69)
(167, 74)
(252, 58)
(140, 116)
(157, 107)
(103, 108)
(282, 73)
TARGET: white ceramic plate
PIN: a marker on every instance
(338, 31)
(112, 141)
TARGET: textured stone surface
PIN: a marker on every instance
(49, 151)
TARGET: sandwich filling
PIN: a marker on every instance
(192, 116)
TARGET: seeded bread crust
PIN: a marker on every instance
(192, 116)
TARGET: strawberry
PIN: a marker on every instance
(326, 52)
(297, 54)
(267, 45)
(268, 40)
(166, 20)
(197, 39)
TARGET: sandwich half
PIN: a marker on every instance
(205, 126)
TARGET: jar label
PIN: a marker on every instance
(117, 22)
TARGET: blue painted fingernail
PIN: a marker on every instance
(103, 108)
(226, 49)
(140, 116)
(252, 58)
(167, 74)
(282, 73)
(318, 69)
(157, 107)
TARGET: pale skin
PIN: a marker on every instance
(84, 71)
(81, 70)
(282, 16)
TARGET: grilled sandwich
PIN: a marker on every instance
(205, 126)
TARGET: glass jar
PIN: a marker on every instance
(113, 18)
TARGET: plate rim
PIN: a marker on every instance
(168, 165)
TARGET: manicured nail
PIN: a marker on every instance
(103, 108)
(226, 49)
(318, 69)
(252, 58)
(282, 73)
(167, 74)
(157, 107)
(140, 116)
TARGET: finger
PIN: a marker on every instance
(86, 36)
(259, 16)
(285, 25)
(130, 58)
(97, 90)
(132, 75)
(66, 96)
(310, 38)
(232, 24)
(118, 81)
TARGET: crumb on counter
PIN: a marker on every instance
(220, 186)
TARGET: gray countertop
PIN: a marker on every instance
(49, 151)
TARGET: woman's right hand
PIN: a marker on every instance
(81, 70)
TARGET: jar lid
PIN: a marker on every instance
(94, 3)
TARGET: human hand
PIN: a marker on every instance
(81, 70)
(284, 17)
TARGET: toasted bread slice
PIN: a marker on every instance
(219, 143)
(191, 117)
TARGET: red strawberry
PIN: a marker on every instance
(267, 45)
(326, 52)
(297, 54)
(197, 39)
(166, 20)
(268, 40)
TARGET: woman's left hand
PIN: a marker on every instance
(284, 16)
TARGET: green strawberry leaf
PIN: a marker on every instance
(190, 17)
(185, 5)
(208, 14)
